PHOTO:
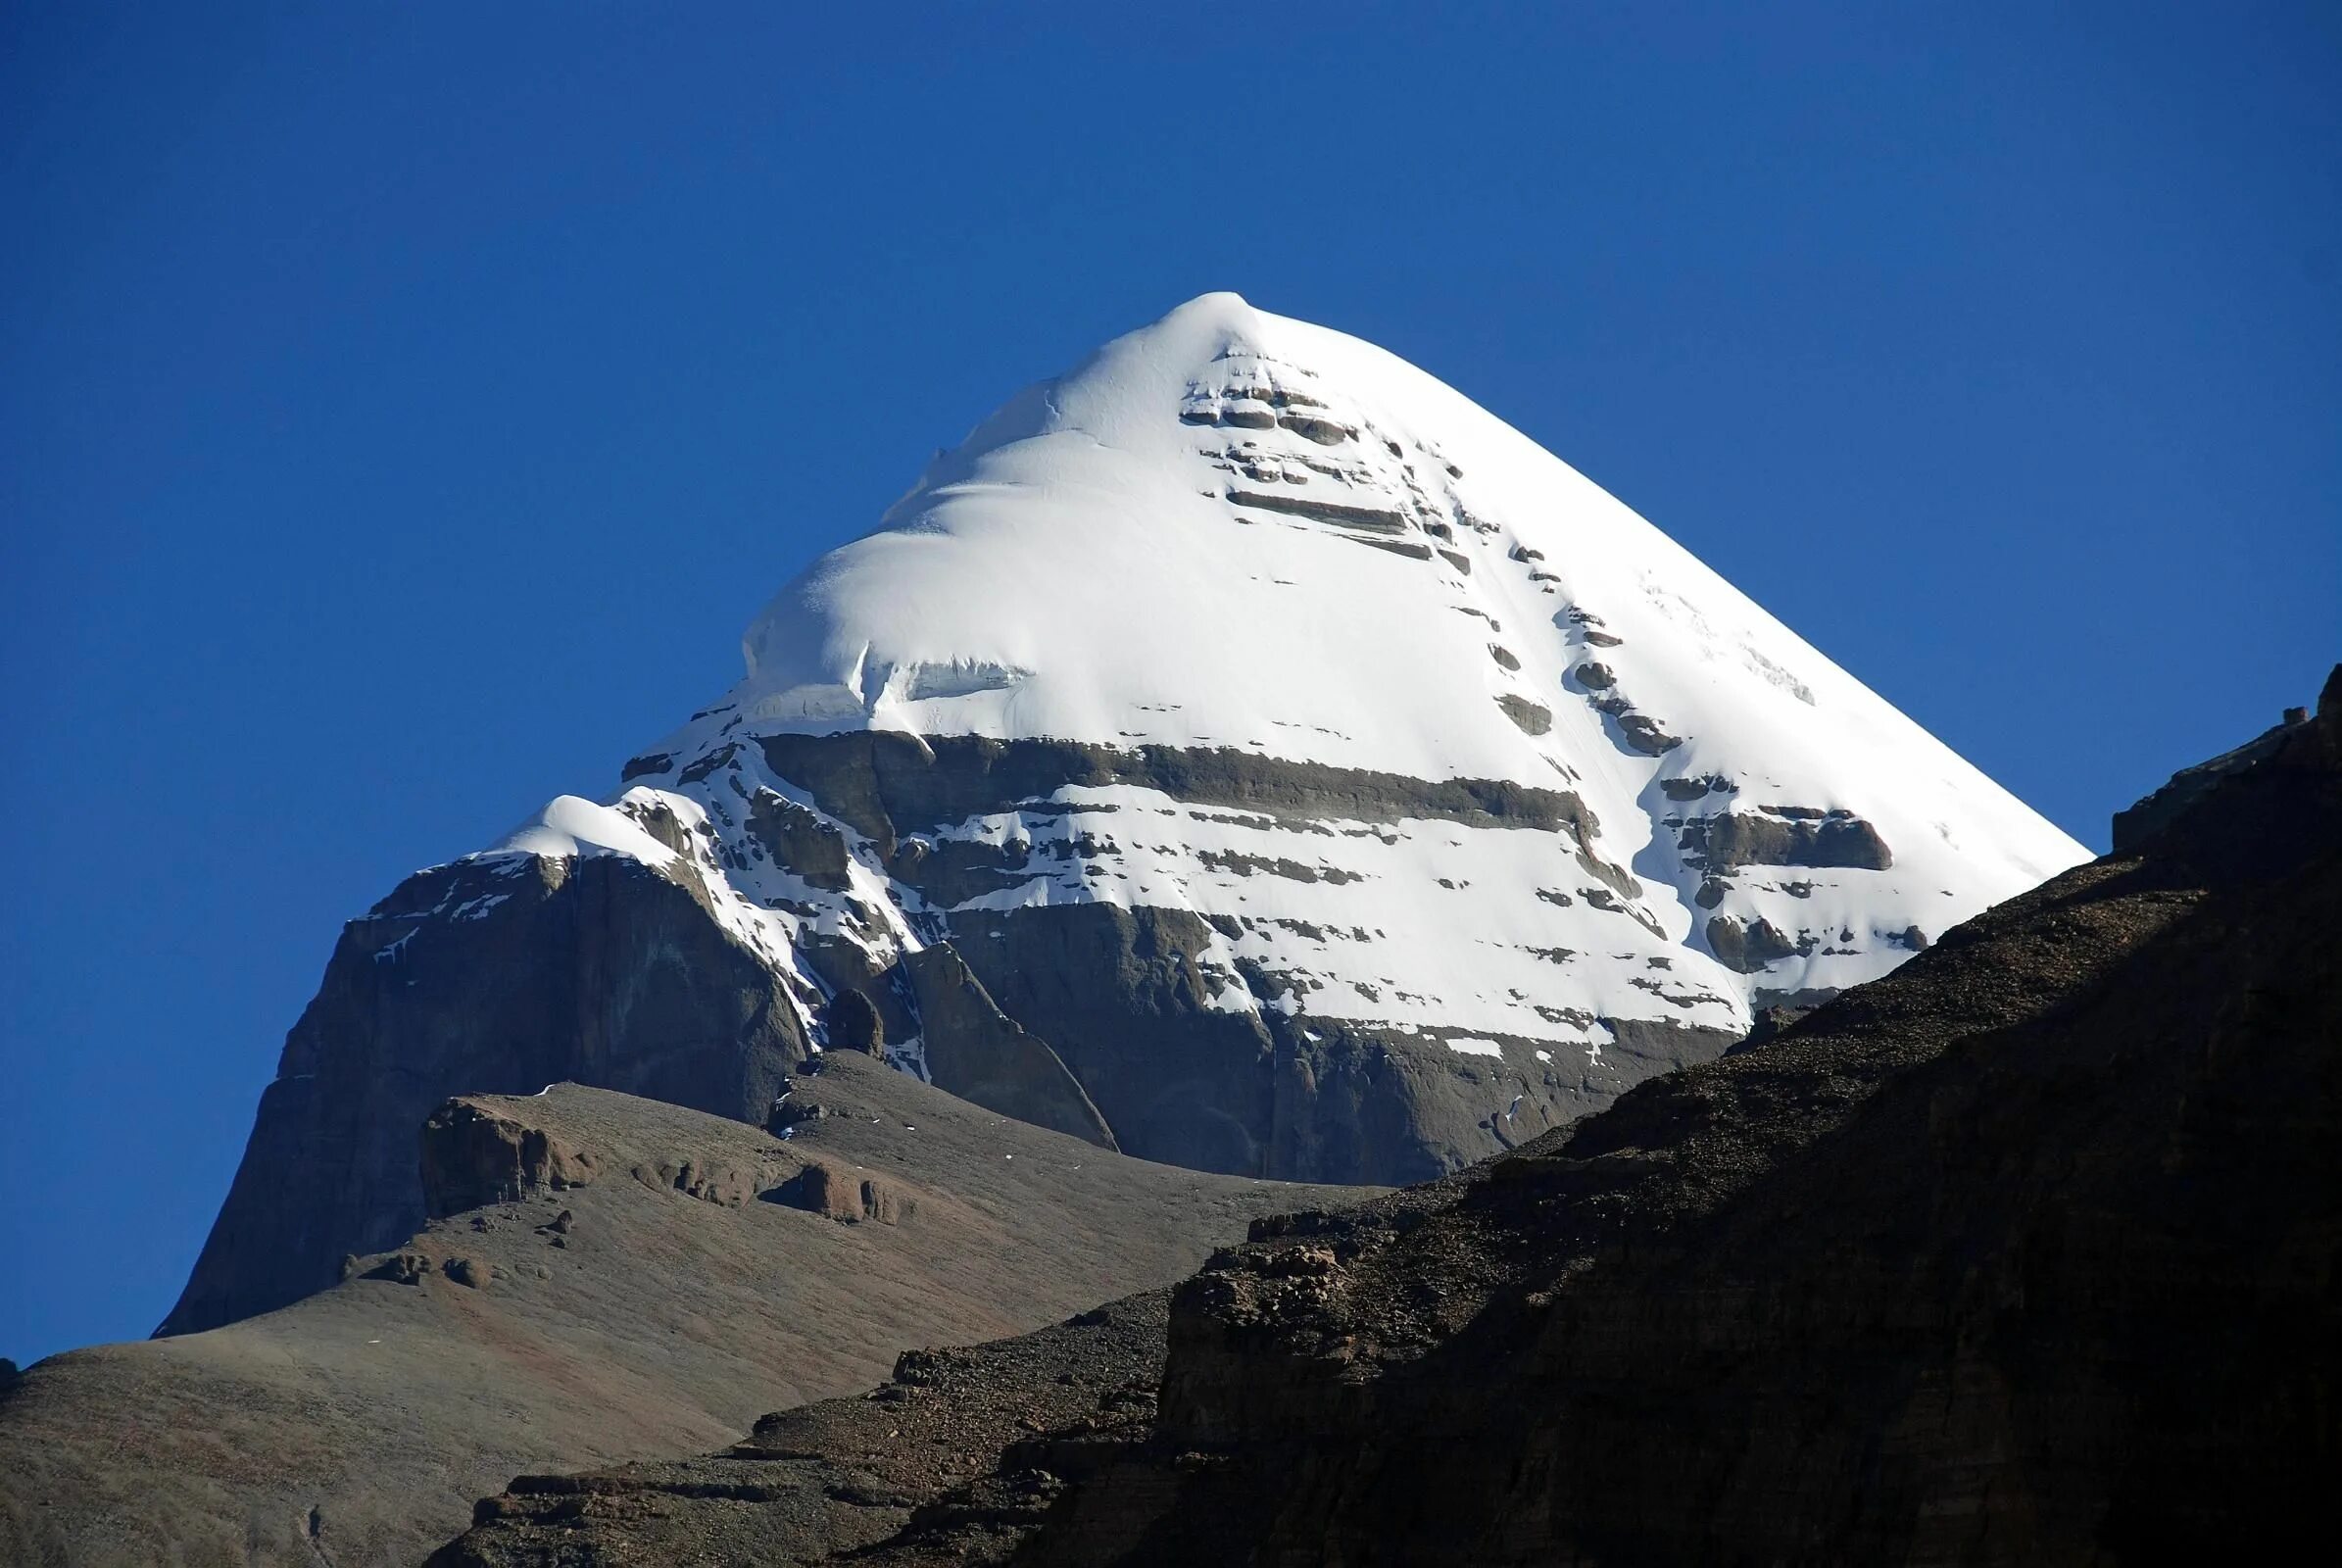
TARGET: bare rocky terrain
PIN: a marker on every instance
(605, 1277)
(2024, 1254)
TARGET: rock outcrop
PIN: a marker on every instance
(2151, 815)
(474, 1156)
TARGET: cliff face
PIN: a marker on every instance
(2025, 1253)
(487, 978)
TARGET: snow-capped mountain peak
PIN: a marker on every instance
(1254, 640)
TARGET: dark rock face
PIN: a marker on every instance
(1366, 518)
(1634, 731)
(1691, 789)
(485, 976)
(1782, 836)
(1746, 949)
(800, 840)
(2147, 817)
(886, 784)
(854, 1023)
(980, 1054)
(1629, 729)
(1118, 994)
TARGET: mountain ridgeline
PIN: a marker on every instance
(1242, 752)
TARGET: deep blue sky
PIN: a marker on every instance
(403, 408)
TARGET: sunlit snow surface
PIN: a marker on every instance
(1231, 529)
(571, 826)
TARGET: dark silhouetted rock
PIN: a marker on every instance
(2135, 825)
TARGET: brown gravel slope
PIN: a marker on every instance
(707, 1271)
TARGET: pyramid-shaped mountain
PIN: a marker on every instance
(1243, 751)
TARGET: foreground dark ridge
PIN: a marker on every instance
(2024, 1254)
(607, 1277)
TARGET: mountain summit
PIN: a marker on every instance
(1243, 751)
